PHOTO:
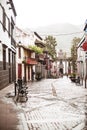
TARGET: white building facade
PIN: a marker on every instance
(82, 57)
(7, 42)
(25, 57)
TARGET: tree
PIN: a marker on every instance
(75, 42)
(50, 43)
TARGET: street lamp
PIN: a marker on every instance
(46, 61)
(86, 68)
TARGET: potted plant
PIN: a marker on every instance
(38, 76)
(73, 77)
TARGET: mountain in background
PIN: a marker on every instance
(64, 34)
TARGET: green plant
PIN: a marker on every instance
(73, 75)
(38, 75)
(37, 49)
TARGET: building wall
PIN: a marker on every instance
(19, 61)
(81, 63)
(24, 38)
(7, 44)
(26, 69)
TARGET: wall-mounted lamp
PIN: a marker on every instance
(19, 42)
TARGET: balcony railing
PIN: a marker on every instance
(29, 61)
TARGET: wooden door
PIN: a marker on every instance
(19, 71)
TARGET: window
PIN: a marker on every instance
(12, 32)
(19, 52)
(12, 26)
(19, 71)
(0, 13)
(4, 20)
(9, 27)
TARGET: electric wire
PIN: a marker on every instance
(63, 34)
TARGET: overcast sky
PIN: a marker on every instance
(35, 13)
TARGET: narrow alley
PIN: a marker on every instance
(43, 65)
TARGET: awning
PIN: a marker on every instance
(31, 61)
(84, 46)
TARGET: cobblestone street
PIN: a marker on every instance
(55, 104)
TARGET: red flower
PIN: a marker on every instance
(84, 46)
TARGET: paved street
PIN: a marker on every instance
(53, 104)
(56, 104)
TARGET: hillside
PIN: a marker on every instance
(64, 33)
